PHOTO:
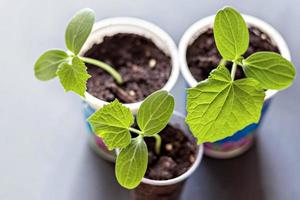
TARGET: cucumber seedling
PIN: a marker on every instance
(69, 66)
(220, 105)
(113, 123)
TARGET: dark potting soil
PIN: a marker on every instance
(202, 55)
(143, 66)
(177, 154)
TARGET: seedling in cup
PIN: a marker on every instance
(113, 123)
(69, 66)
(220, 105)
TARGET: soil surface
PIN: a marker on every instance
(143, 66)
(177, 154)
(203, 56)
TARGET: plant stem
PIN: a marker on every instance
(140, 138)
(135, 131)
(156, 136)
(109, 69)
(222, 62)
(233, 70)
(157, 143)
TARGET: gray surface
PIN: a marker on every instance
(43, 148)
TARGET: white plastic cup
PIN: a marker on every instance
(169, 189)
(110, 27)
(242, 140)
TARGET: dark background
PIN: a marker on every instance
(43, 148)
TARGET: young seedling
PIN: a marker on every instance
(69, 66)
(113, 123)
(220, 105)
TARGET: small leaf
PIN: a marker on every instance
(46, 66)
(270, 69)
(131, 163)
(218, 107)
(155, 112)
(73, 77)
(231, 34)
(111, 122)
(79, 29)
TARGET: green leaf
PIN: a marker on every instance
(79, 29)
(46, 66)
(131, 163)
(270, 69)
(218, 106)
(73, 76)
(111, 122)
(231, 34)
(155, 112)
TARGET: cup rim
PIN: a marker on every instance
(153, 29)
(202, 24)
(184, 175)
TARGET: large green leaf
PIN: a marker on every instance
(46, 66)
(111, 122)
(155, 112)
(270, 69)
(79, 29)
(73, 76)
(231, 34)
(218, 107)
(131, 163)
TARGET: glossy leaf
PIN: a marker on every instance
(155, 112)
(231, 34)
(47, 64)
(79, 29)
(270, 69)
(73, 76)
(131, 163)
(111, 123)
(218, 107)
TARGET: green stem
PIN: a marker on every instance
(157, 143)
(140, 138)
(223, 62)
(109, 69)
(233, 70)
(135, 131)
(156, 136)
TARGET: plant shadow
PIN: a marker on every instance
(232, 179)
(95, 179)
